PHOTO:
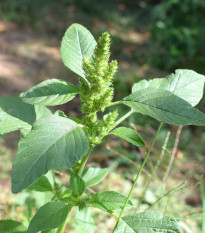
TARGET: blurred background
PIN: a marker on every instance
(150, 38)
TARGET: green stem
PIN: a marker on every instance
(123, 118)
(83, 162)
(138, 174)
(113, 104)
(80, 171)
(202, 191)
(62, 227)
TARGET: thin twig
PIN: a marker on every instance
(174, 151)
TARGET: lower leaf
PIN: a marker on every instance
(49, 216)
(109, 201)
(149, 222)
(11, 226)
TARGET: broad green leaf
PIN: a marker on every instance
(54, 143)
(187, 84)
(49, 216)
(41, 112)
(149, 222)
(93, 176)
(129, 135)
(11, 226)
(41, 185)
(164, 106)
(84, 221)
(50, 92)
(15, 114)
(77, 185)
(108, 201)
(77, 43)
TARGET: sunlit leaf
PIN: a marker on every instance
(77, 43)
(54, 143)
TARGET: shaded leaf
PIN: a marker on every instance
(42, 111)
(187, 84)
(41, 185)
(54, 143)
(70, 201)
(164, 106)
(15, 114)
(77, 185)
(11, 226)
(93, 176)
(49, 216)
(108, 201)
(129, 135)
(149, 222)
(77, 43)
(50, 93)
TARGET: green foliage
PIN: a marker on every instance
(176, 30)
(50, 92)
(149, 222)
(164, 106)
(41, 185)
(77, 43)
(49, 216)
(15, 114)
(108, 201)
(10, 226)
(59, 142)
(77, 185)
(93, 176)
(129, 135)
(39, 151)
(185, 84)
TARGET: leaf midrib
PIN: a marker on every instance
(150, 105)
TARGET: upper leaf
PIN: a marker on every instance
(50, 92)
(54, 143)
(77, 43)
(10, 226)
(109, 201)
(149, 222)
(164, 106)
(41, 185)
(84, 221)
(49, 216)
(15, 114)
(77, 185)
(93, 176)
(186, 84)
(129, 135)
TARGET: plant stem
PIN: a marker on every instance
(62, 227)
(80, 171)
(83, 162)
(138, 174)
(113, 104)
(123, 118)
(202, 191)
